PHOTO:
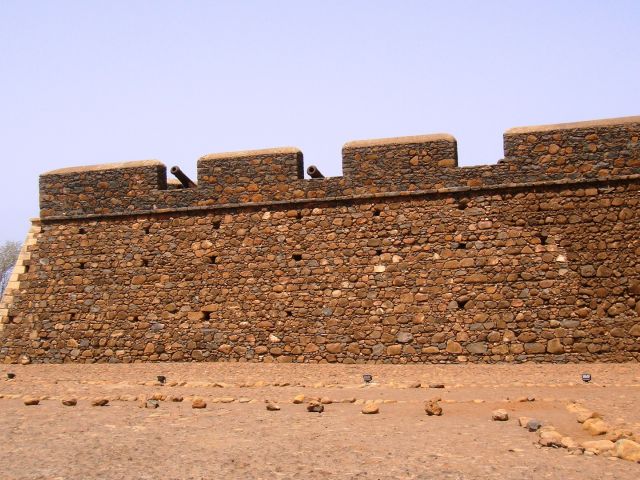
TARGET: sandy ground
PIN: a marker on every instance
(242, 439)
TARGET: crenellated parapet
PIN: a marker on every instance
(583, 149)
(248, 170)
(403, 161)
(572, 152)
(101, 189)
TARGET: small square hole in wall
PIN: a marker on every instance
(299, 215)
(74, 316)
(145, 262)
(463, 204)
(216, 224)
(376, 212)
(461, 246)
(82, 231)
(379, 252)
(147, 230)
(289, 313)
(26, 269)
(461, 303)
(543, 238)
(211, 260)
(297, 257)
(82, 265)
(10, 318)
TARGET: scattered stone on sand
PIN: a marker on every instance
(198, 403)
(225, 400)
(500, 415)
(620, 434)
(31, 400)
(627, 450)
(128, 398)
(176, 398)
(348, 400)
(584, 415)
(595, 426)
(522, 421)
(100, 402)
(151, 403)
(436, 385)
(526, 399)
(326, 401)
(432, 407)
(569, 443)
(69, 402)
(161, 397)
(298, 399)
(478, 400)
(315, 406)
(534, 425)
(244, 400)
(370, 408)
(273, 407)
(415, 385)
(550, 438)
(598, 446)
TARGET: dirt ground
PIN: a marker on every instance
(242, 440)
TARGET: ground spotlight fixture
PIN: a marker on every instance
(162, 379)
(586, 377)
(367, 378)
(11, 376)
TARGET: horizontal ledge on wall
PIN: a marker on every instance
(369, 196)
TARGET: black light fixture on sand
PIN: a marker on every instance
(367, 378)
(162, 379)
(586, 377)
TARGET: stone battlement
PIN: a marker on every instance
(564, 152)
(404, 258)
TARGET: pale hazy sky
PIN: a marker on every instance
(85, 82)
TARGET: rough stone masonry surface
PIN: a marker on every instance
(405, 259)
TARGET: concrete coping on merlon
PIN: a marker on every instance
(605, 122)
(105, 166)
(252, 153)
(411, 140)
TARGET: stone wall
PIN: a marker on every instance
(536, 260)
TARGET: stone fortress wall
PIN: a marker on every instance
(405, 258)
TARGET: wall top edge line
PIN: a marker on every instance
(414, 139)
(251, 153)
(605, 122)
(105, 166)
(347, 198)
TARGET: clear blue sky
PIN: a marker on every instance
(85, 82)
